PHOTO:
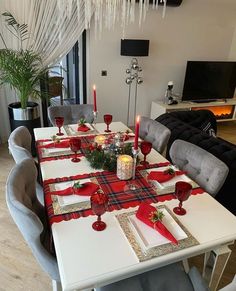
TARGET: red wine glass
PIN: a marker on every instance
(146, 148)
(59, 123)
(107, 120)
(99, 202)
(182, 192)
(75, 145)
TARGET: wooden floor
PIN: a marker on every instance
(18, 268)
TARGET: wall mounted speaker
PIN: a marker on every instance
(134, 47)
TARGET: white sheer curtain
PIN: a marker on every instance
(54, 26)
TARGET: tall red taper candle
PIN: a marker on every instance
(94, 99)
(136, 132)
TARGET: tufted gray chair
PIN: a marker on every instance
(169, 278)
(71, 113)
(201, 166)
(154, 132)
(19, 144)
(29, 215)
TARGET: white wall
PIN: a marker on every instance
(197, 30)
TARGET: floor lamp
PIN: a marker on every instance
(134, 48)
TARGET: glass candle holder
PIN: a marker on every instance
(124, 167)
(100, 139)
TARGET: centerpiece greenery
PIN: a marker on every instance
(22, 69)
(100, 158)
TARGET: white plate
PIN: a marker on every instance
(149, 237)
(70, 199)
(51, 151)
(73, 128)
(171, 182)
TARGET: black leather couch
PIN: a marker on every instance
(198, 127)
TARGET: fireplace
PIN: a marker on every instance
(220, 112)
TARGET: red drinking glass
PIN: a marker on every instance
(107, 120)
(59, 123)
(99, 202)
(182, 192)
(75, 145)
(146, 148)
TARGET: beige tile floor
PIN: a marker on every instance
(18, 268)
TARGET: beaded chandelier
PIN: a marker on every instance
(108, 12)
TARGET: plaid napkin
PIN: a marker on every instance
(145, 214)
(87, 189)
(162, 177)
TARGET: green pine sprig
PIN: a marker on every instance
(156, 216)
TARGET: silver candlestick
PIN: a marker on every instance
(132, 186)
(95, 115)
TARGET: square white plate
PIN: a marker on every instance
(171, 182)
(149, 237)
(73, 128)
(70, 199)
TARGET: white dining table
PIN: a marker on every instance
(88, 259)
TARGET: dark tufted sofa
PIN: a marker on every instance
(196, 127)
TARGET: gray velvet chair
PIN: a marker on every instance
(201, 166)
(71, 113)
(168, 278)
(154, 132)
(19, 144)
(29, 216)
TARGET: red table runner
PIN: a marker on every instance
(114, 187)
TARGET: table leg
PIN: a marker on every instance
(214, 265)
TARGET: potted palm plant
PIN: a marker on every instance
(22, 70)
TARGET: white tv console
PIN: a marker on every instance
(158, 107)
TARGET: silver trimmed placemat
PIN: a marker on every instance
(157, 251)
(165, 190)
(71, 132)
(83, 205)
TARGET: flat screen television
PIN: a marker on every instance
(209, 81)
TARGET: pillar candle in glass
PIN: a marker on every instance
(100, 139)
(124, 167)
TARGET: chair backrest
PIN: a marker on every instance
(201, 166)
(29, 214)
(19, 144)
(71, 113)
(154, 132)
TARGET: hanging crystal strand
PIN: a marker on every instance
(146, 6)
(164, 9)
(132, 11)
(123, 13)
(157, 6)
(153, 4)
(114, 14)
(140, 12)
(127, 12)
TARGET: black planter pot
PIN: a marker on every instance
(29, 117)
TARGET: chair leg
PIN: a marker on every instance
(186, 265)
(56, 286)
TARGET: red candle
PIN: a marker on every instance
(136, 132)
(94, 99)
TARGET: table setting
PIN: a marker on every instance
(114, 183)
